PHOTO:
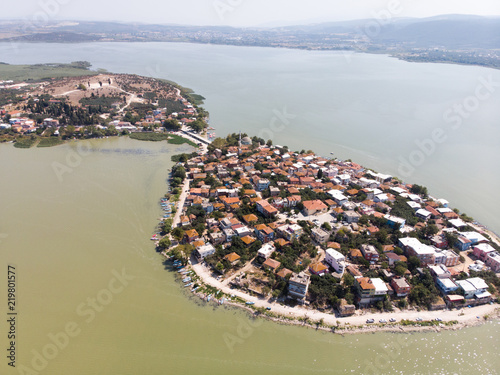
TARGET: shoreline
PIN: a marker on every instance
(298, 316)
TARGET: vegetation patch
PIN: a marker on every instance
(25, 142)
(156, 137)
(50, 142)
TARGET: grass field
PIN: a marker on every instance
(155, 137)
(42, 71)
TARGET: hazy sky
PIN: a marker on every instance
(239, 12)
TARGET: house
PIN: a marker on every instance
(370, 290)
(264, 233)
(265, 208)
(493, 261)
(473, 237)
(242, 231)
(338, 197)
(318, 269)
(293, 200)
(446, 257)
(392, 258)
(290, 232)
(474, 287)
(229, 234)
(266, 251)
(369, 252)
(204, 251)
(314, 207)
(482, 250)
(351, 216)
(336, 260)
(413, 247)
(423, 214)
(232, 258)
(271, 264)
(217, 238)
(248, 240)
(191, 235)
(319, 235)
(284, 273)
(298, 286)
(249, 219)
(446, 285)
(394, 221)
(400, 286)
(440, 272)
(262, 184)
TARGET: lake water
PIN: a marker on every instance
(433, 124)
(75, 220)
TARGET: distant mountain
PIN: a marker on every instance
(449, 31)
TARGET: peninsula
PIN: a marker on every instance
(306, 239)
(290, 235)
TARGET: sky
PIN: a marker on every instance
(239, 13)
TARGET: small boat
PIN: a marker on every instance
(194, 289)
(221, 302)
(188, 285)
(250, 303)
(187, 279)
(209, 298)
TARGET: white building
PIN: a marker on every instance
(205, 250)
(336, 260)
(266, 250)
(338, 197)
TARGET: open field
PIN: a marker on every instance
(43, 71)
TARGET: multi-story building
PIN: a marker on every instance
(336, 260)
(298, 286)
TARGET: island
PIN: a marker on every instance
(289, 235)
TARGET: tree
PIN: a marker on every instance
(165, 243)
(172, 124)
(178, 233)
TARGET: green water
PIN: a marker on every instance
(71, 218)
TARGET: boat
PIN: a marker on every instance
(188, 285)
(194, 289)
(209, 298)
(250, 303)
(187, 279)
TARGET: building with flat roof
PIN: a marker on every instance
(336, 260)
(298, 286)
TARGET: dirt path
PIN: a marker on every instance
(182, 198)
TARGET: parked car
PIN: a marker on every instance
(392, 320)
(370, 320)
(419, 319)
(382, 321)
(438, 320)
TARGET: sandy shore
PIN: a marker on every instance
(356, 323)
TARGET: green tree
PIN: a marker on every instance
(165, 243)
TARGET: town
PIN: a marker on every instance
(49, 112)
(299, 229)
